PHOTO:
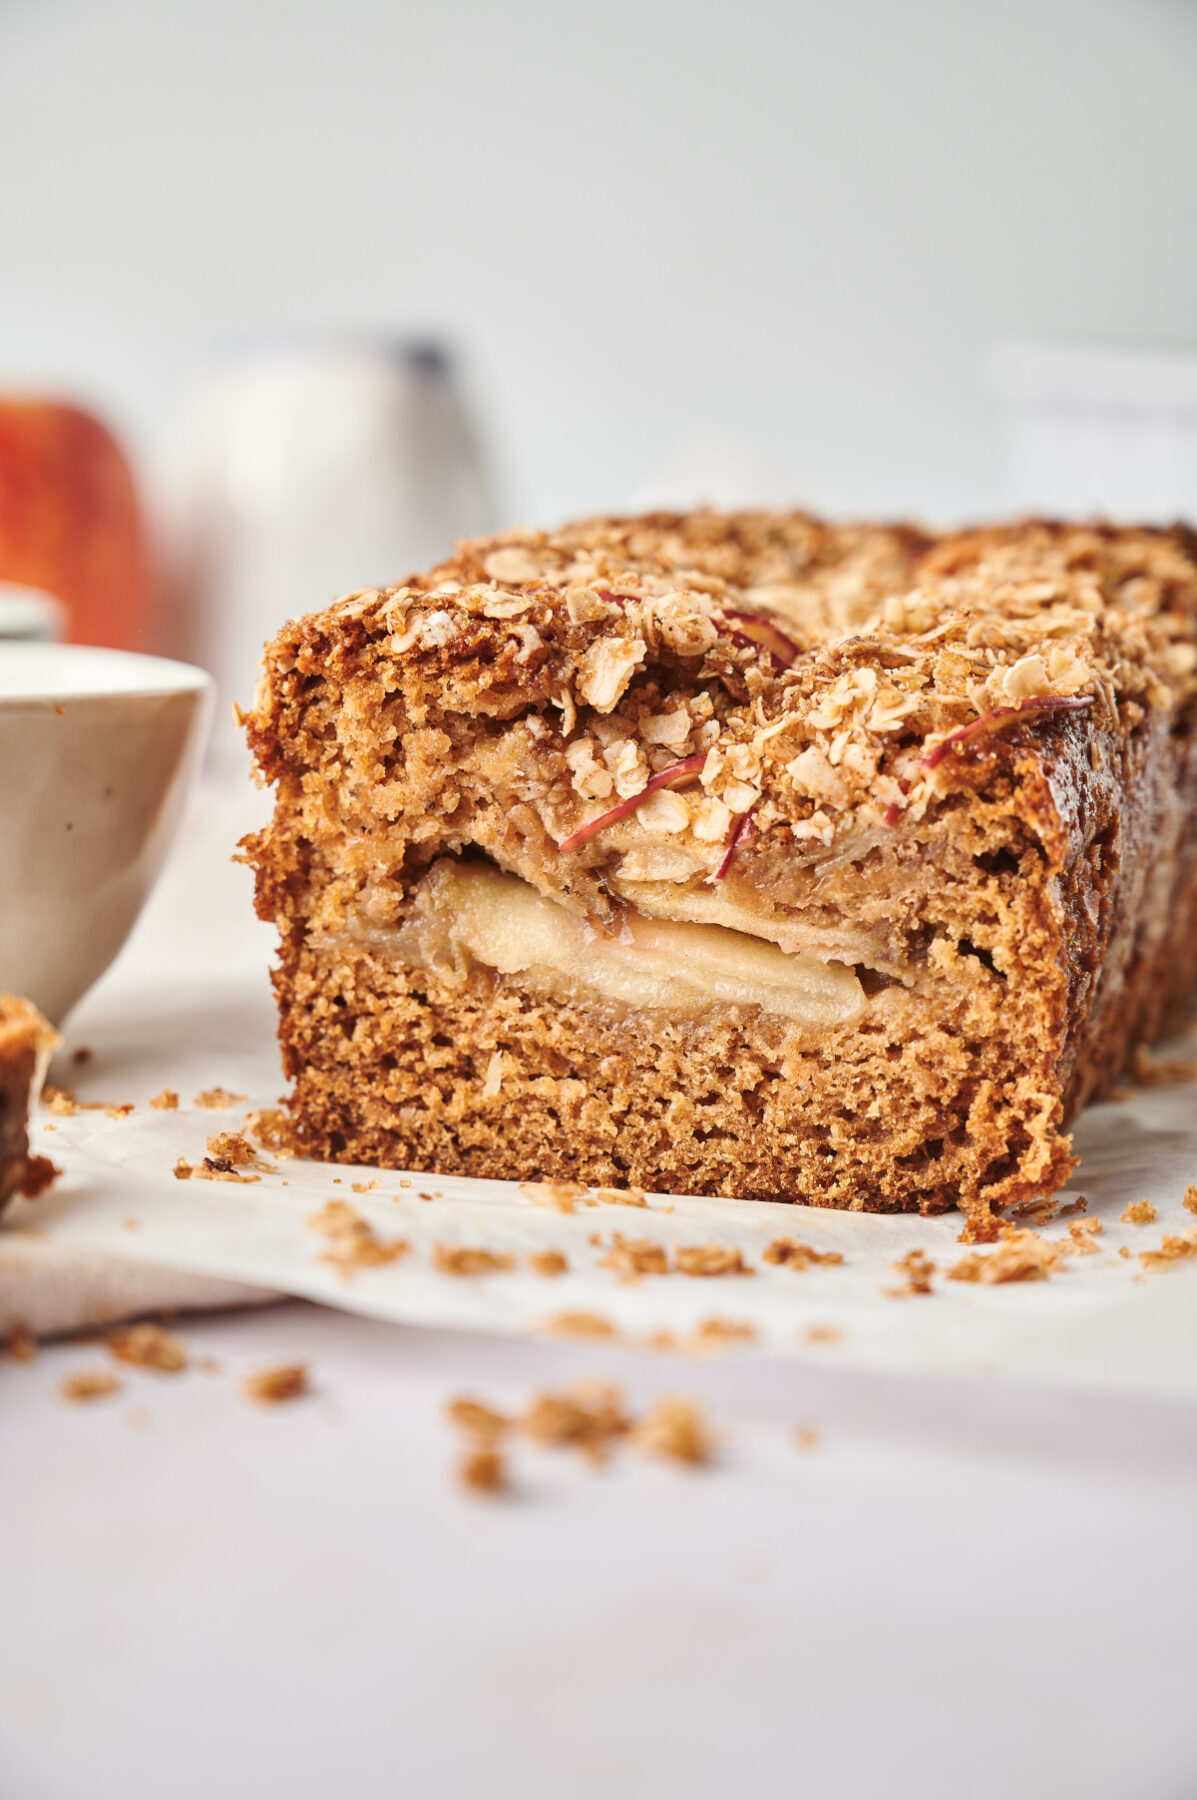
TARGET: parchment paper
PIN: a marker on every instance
(190, 1009)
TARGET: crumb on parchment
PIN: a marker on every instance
(914, 1270)
(548, 1263)
(147, 1346)
(715, 1334)
(587, 1416)
(558, 1196)
(1020, 1256)
(630, 1258)
(1081, 1235)
(213, 1168)
(268, 1124)
(1190, 1200)
(629, 1196)
(353, 1242)
(674, 1428)
(276, 1383)
(483, 1471)
(228, 1149)
(1176, 1247)
(166, 1101)
(469, 1259)
(788, 1253)
(217, 1099)
(1139, 1212)
(579, 1325)
(88, 1384)
(476, 1419)
(807, 1438)
(703, 1260)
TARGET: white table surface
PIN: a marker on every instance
(981, 1589)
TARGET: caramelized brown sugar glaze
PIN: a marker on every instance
(1018, 914)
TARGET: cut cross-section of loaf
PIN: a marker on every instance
(742, 855)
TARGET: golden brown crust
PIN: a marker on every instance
(966, 765)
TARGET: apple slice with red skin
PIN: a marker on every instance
(678, 774)
(755, 628)
(989, 723)
(742, 829)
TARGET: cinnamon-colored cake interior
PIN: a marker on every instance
(742, 855)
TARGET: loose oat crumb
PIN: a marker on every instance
(629, 1196)
(147, 1346)
(630, 1258)
(1124, 1250)
(280, 1381)
(588, 1416)
(22, 1345)
(404, 1182)
(915, 1269)
(40, 1172)
(787, 1253)
(231, 1149)
(559, 1196)
(674, 1427)
(1139, 1212)
(807, 1438)
(477, 1419)
(354, 1244)
(466, 1259)
(62, 1101)
(166, 1101)
(1081, 1233)
(1190, 1200)
(483, 1472)
(88, 1384)
(719, 1334)
(548, 1263)
(1176, 1247)
(214, 1168)
(1035, 1212)
(364, 1187)
(710, 1259)
(269, 1125)
(579, 1324)
(1021, 1256)
(217, 1099)
(1079, 1205)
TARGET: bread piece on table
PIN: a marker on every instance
(745, 855)
(26, 1044)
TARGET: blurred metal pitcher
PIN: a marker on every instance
(306, 467)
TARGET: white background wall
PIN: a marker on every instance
(793, 230)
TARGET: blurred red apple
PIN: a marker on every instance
(70, 521)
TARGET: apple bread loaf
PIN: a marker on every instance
(740, 855)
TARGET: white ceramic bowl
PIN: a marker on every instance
(97, 751)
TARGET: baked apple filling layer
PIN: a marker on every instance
(468, 913)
